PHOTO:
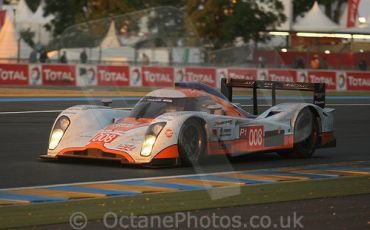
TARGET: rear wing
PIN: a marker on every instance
(318, 89)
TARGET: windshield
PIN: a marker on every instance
(151, 107)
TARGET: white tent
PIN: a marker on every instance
(315, 20)
(361, 29)
(38, 16)
(23, 12)
(37, 22)
(111, 40)
(9, 42)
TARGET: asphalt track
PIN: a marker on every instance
(24, 136)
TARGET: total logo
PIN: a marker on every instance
(241, 76)
(108, 76)
(275, 77)
(157, 77)
(318, 79)
(200, 77)
(358, 81)
(51, 75)
(9, 75)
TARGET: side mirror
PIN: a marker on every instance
(106, 101)
(215, 109)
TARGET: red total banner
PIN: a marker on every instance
(352, 12)
(358, 80)
(113, 75)
(14, 74)
(200, 74)
(241, 73)
(282, 75)
(59, 75)
(327, 77)
(157, 76)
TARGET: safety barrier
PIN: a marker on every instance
(82, 75)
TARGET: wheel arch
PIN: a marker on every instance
(204, 126)
(314, 111)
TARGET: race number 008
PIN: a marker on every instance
(104, 138)
(255, 136)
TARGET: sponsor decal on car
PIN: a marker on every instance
(224, 122)
(126, 147)
(169, 133)
(104, 138)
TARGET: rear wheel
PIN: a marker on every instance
(306, 131)
(192, 142)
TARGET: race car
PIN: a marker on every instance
(186, 123)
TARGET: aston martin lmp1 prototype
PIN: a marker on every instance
(184, 124)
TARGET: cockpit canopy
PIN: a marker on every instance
(151, 107)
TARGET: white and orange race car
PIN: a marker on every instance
(184, 124)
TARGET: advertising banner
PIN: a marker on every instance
(113, 75)
(242, 73)
(327, 77)
(13, 74)
(135, 76)
(201, 74)
(282, 75)
(87, 75)
(59, 75)
(358, 80)
(157, 76)
(35, 77)
(352, 12)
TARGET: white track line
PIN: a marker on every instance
(44, 111)
(129, 108)
(125, 180)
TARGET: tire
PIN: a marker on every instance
(306, 131)
(192, 142)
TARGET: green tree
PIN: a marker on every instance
(219, 22)
(33, 4)
(72, 12)
(27, 35)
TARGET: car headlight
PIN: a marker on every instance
(58, 131)
(150, 137)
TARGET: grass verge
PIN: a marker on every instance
(56, 213)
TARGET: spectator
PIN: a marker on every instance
(83, 56)
(299, 63)
(145, 59)
(315, 62)
(362, 65)
(324, 64)
(63, 58)
(33, 56)
(261, 62)
(44, 56)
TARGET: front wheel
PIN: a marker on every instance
(306, 131)
(192, 142)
